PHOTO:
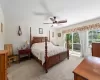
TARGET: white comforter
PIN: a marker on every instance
(38, 49)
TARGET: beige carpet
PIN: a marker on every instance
(31, 70)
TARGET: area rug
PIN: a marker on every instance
(32, 70)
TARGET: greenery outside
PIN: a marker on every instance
(75, 42)
(94, 36)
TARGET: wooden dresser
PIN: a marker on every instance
(96, 49)
(88, 69)
(3, 64)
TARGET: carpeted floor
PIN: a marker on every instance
(31, 70)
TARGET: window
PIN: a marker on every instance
(70, 41)
(93, 36)
(74, 42)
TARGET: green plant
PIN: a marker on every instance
(68, 37)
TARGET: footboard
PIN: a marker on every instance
(63, 55)
(56, 59)
(51, 61)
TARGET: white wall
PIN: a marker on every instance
(53, 39)
(20, 13)
(1, 33)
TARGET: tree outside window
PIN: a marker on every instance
(74, 41)
(93, 36)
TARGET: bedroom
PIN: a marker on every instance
(33, 13)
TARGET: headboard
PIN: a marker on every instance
(38, 40)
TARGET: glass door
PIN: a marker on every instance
(74, 42)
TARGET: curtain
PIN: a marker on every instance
(64, 40)
(83, 42)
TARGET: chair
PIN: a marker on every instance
(10, 52)
(11, 56)
(9, 48)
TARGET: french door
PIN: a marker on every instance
(74, 42)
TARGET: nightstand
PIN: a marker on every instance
(24, 53)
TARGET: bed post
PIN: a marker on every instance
(49, 35)
(46, 55)
(30, 37)
(67, 42)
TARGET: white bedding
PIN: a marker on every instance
(38, 49)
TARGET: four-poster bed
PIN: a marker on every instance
(49, 61)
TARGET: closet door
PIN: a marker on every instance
(96, 49)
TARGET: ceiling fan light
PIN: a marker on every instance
(54, 25)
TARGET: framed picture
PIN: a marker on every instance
(1, 27)
(52, 34)
(59, 34)
(40, 30)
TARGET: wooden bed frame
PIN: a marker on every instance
(52, 60)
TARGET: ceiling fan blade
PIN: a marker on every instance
(47, 23)
(47, 17)
(52, 19)
(40, 13)
(62, 21)
(51, 25)
(43, 4)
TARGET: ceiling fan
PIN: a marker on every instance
(54, 21)
(48, 14)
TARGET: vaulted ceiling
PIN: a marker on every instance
(74, 11)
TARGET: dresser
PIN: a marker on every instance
(96, 49)
(3, 64)
(88, 69)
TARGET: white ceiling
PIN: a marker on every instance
(74, 11)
